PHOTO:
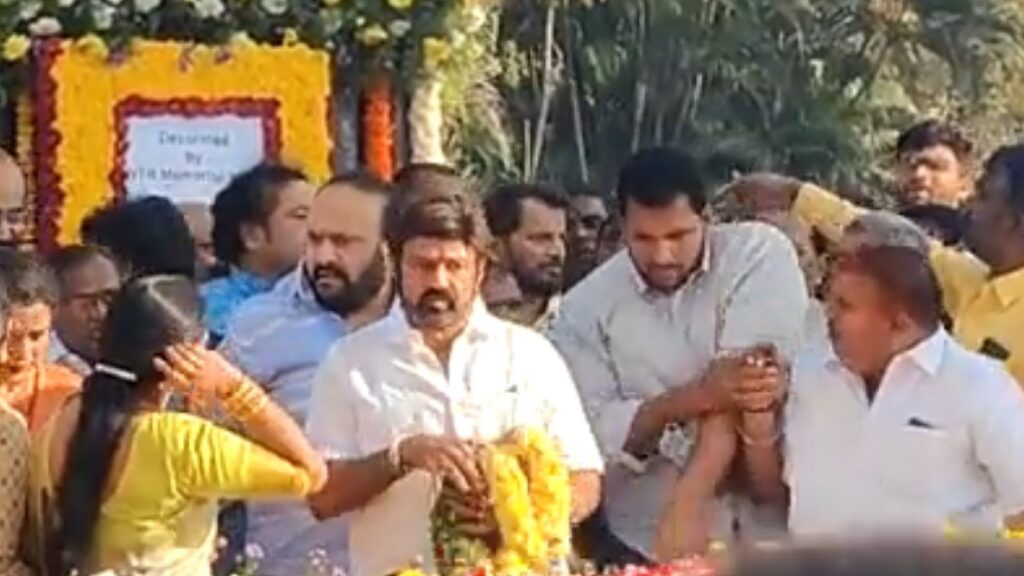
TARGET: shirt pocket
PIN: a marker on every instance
(917, 464)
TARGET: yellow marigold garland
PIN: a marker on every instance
(89, 87)
(531, 497)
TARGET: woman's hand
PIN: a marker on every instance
(201, 375)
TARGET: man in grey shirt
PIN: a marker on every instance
(650, 337)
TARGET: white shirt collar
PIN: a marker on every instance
(926, 354)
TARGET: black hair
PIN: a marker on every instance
(360, 180)
(435, 202)
(147, 236)
(27, 280)
(415, 174)
(504, 206)
(946, 222)
(931, 133)
(882, 559)
(70, 258)
(904, 274)
(656, 177)
(250, 198)
(146, 316)
(1010, 161)
(585, 191)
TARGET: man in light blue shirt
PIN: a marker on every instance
(259, 226)
(280, 339)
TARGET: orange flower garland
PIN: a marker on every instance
(378, 128)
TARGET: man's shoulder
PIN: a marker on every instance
(370, 341)
(256, 311)
(742, 240)
(972, 371)
(606, 281)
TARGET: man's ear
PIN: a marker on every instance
(252, 235)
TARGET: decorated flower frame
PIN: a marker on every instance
(82, 99)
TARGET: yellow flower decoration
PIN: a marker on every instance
(401, 5)
(290, 37)
(372, 36)
(532, 503)
(435, 52)
(94, 46)
(88, 90)
(16, 47)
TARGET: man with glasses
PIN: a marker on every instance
(87, 279)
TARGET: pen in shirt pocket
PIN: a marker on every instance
(920, 424)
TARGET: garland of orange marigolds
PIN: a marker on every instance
(378, 127)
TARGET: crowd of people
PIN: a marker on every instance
(286, 372)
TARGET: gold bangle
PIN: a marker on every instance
(245, 401)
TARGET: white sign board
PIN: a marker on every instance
(188, 158)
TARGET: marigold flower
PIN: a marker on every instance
(16, 47)
(435, 52)
(372, 35)
(94, 46)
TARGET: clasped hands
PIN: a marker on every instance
(751, 381)
(465, 494)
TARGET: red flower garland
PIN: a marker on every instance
(49, 195)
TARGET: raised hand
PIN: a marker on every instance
(450, 459)
(201, 375)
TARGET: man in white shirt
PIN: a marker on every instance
(901, 430)
(418, 390)
(650, 335)
(88, 279)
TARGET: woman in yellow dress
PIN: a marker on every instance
(118, 483)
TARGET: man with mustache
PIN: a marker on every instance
(405, 402)
(657, 339)
(529, 224)
(279, 338)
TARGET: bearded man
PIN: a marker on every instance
(414, 395)
(281, 337)
(529, 222)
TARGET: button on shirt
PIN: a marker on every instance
(626, 344)
(941, 444)
(382, 383)
(987, 311)
(279, 340)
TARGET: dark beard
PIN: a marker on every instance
(358, 292)
(537, 283)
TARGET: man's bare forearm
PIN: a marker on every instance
(352, 484)
(586, 494)
(762, 455)
(676, 405)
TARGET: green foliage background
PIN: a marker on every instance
(815, 88)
